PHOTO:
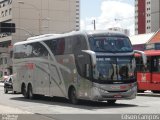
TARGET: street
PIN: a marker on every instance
(145, 103)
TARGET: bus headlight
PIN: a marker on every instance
(101, 90)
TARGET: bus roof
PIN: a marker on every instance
(150, 53)
(85, 33)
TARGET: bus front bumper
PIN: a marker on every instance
(99, 94)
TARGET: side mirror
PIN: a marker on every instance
(144, 58)
(92, 55)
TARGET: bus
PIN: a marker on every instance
(149, 78)
(89, 65)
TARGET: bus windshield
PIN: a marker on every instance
(115, 68)
(110, 44)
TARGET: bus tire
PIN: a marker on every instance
(73, 96)
(111, 102)
(24, 91)
(155, 91)
(30, 92)
(140, 91)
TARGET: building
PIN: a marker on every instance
(139, 41)
(124, 31)
(35, 17)
(147, 16)
(154, 42)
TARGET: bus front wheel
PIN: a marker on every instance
(73, 96)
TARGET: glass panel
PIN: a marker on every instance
(110, 44)
(156, 64)
(114, 68)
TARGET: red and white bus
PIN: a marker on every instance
(148, 78)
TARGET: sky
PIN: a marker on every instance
(107, 14)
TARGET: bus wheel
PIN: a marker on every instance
(111, 102)
(24, 91)
(140, 91)
(30, 92)
(73, 96)
(155, 91)
(5, 90)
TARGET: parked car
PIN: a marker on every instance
(4, 78)
(8, 84)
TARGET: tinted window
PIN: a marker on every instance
(38, 50)
(57, 46)
(60, 46)
(30, 50)
(69, 45)
(52, 44)
(19, 51)
(79, 44)
(110, 44)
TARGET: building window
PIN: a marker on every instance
(9, 1)
(10, 11)
(6, 12)
(5, 60)
(2, 13)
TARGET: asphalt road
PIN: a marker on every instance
(61, 109)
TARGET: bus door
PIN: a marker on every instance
(55, 79)
(83, 64)
(42, 78)
(143, 74)
(155, 69)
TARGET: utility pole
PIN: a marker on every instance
(94, 23)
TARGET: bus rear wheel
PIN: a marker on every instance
(111, 102)
(24, 91)
(30, 92)
(73, 96)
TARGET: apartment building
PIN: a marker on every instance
(35, 17)
(147, 16)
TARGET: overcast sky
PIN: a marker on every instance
(107, 13)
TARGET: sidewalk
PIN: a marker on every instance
(11, 110)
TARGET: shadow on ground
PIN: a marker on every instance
(89, 105)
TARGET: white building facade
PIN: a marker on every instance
(147, 16)
(35, 17)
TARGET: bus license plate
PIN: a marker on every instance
(117, 96)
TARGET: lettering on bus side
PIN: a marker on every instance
(30, 66)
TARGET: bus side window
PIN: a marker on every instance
(19, 52)
(68, 45)
(79, 44)
(39, 50)
(60, 46)
(82, 60)
(156, 64)
(52, 44)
